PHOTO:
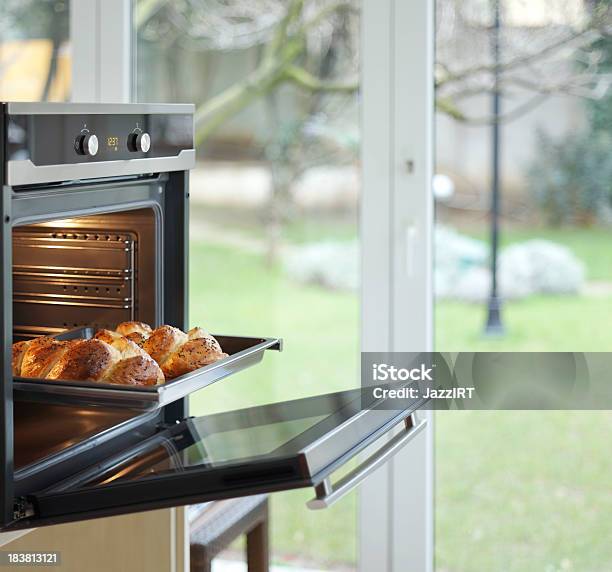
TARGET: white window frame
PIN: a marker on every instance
(396, 502)
(101, 40)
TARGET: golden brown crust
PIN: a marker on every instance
(138, 370)
(125, 347)
(197, 332)
(175, 351)
(126, 328)
(192, 355)
(164, 341)
(85, 360)
(108, 357)
(144, 370)
(138, 338)
(19, 349)
(41, 355)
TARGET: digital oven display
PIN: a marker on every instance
(112, 143)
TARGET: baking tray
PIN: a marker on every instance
(243, 352)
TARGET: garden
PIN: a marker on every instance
(510, 478)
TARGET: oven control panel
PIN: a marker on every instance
(59, 139)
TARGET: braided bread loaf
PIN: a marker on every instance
(175, 351)
(138, 332)
(108, 358)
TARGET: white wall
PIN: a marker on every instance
(463, 151)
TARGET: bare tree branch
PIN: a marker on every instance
(146, 10)
(280, 35)
(514, 62)
(310, 82)
(517, 112)
(278, 65)
(328, 11)
(537, 60)
(447, 107)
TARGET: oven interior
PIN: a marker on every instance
(96, 270)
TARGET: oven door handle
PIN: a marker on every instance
(328, 493)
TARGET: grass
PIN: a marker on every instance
(235, 292)
(302, 228)
(528, 491)
(591, 245)
(538, 323)
(514, 491)
(523, 491)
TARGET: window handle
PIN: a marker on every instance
(410, 246)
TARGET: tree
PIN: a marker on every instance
(600, 109)
(293, 34)
(538, 52)
(535, 53)
(298, 40)
(308, 44)
(571, 178)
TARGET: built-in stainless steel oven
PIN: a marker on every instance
(95, 232)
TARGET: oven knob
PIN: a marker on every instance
(139, 142)
(86, 144)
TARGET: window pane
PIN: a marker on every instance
(35, 62)
(519, 490)
(274, 207)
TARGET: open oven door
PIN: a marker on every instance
(267, 448)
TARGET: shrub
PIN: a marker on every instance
(571, 179)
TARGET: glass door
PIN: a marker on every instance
(268, 448)
(274, 201)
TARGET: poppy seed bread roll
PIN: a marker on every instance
(86, 360)
(137, 367)
(138, 332)
(175, 351)
(121, 361)
(164, 341)
(36, 358)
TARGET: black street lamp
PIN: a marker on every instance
(494, 326)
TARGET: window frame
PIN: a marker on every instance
(102, 48)
(396, 529)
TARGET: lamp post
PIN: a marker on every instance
(494, 326)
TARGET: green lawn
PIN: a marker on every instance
(523, 491)
(528, 491)
(301, 229)
(538, 323)
(591, 245)
(234, 292)
(514, 491)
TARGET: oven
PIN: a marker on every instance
(95, 232)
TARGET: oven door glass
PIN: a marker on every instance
(260, 449)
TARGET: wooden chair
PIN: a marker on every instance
(214, 526)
